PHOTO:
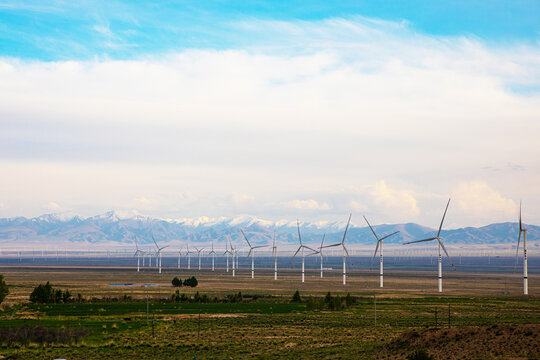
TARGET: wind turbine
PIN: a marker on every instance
(199, 255)
(158, 253)
(301, 248)
(188, 253)
(379, 247)
(179, 254)
(213, 253)
(274, 251)
(524, 231)
(345, 252)
(234, 253)
(438, 238)
(138, 253)
(227, 252)
(320, 254)
(252, 253)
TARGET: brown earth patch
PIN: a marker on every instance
(481, 342)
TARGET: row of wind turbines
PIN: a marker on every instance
(231, 251)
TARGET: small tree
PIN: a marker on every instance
(296, 297)
(4, 290)
(192, 281)
(328, 297)
(176, 281)
(349, 300)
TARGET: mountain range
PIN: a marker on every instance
(117, 229)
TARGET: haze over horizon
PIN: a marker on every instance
(277, 111)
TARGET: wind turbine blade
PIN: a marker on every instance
(300, 247)
(164, 247)
(333, 245)
(249, 253)
(517, 250)
(440, 227)
(298, 226)
(260, 246)
(417, 241)
(520, 225)
(374, 254)
(346, 251)
(307, 247)
(322, 241)
(446, 252)
(155, 243)
(387, 236)
(274, 240)
(245, 237)
(373, 231)
(346, 228)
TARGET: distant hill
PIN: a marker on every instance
(112, 228)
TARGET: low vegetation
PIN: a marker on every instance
(45, 294)
(191, 282)
(160, 322)
(4, 290)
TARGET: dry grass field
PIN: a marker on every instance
(478, 316)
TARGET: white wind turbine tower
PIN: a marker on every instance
(438, 238)
(252, 253)
(274, 251)
(301, 248)
(188, 253)
(138, 253)
(213, 253)
(234, 253)
(199, 255)
(158, 253)
(227, 252)
(380, 248)
(525, 272)
(179, 254)
(320, 254)
(345, 252)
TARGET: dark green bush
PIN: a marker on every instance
(192, 281)
(296, 297)
(176, 281)
(47, 294)
(4, 290)
(420, 354)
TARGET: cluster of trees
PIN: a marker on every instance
(192, 282)
(4, 290)
(330, 302)
(198, 298)
(46, 294)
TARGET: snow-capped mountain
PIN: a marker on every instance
(126, 228)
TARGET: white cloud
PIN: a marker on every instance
(52, 206)
(234, 130)
(480, 201)
(307, 205)
(394, 200)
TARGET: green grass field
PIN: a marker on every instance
(448, 326)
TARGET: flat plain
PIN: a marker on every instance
(479, 315)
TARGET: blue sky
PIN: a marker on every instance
(274, 109)
(62, 30)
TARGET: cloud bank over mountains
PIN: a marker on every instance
(114, 230)
(307, 118)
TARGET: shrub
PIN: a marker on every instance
(4, 290)
(192, 281)
(296, 297)
(47, 294)
(328, 298)
(349, 300)
(420, 354)
(176, 281)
